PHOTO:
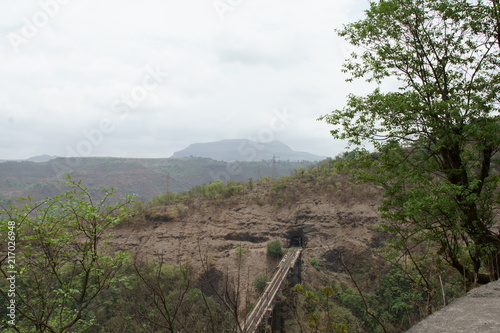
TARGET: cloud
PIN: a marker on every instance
(221, 78)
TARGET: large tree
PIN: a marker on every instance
(436, 134)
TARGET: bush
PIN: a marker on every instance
(274, 249)
(260, 283)
(315, 263)
(240, 251)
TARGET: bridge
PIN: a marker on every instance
(265, 305)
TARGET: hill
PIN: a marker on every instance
(338, 224)
(146, 178)
(216, 235)
(332, 216)
(245, 151)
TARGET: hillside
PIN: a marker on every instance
(216, 237)
(333, 217)
(329, 214)
(338, 223)
(245, 151)
(146, 178)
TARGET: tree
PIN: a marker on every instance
(240, 251)
(62, 263)
(274, 249)
(436, 137)
(316, 310)
(260, 283)
(165, 299)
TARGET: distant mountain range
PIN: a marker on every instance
(231, 150)
(43, 175)
(245, 151)
(37, 159)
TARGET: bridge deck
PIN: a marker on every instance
(265, 302)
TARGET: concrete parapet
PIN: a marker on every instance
(476, 312)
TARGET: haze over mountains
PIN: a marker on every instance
(230, 150)
(38, 159)
(245, 151)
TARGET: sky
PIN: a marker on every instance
(147, 78)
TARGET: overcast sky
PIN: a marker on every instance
(147, 78)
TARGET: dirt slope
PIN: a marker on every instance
(329, 222)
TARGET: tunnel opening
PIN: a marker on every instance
(296, 238)
(296, 241)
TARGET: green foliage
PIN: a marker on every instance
(250, 307)
(139, 209)
(153, 296)
(162, 298)
(352, 300)
(274, 249)
(279, 187)
(282, 192)
(260, 283)
(315, 263)
(164, 199)
(318, 310)
(250, 183)
(215, 190)
(436, 136)
(240, 251)
(63, 263)
(402, 297)
(43, 187)
(68, 281)
(399, 297)
(259, 200)
(285, 191)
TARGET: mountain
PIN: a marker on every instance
(37, 159)
(245, 151)
(41, 158)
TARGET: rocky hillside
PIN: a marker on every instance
(216, 235)
(333, 217)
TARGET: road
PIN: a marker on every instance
(265, 302)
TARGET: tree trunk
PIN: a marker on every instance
(477, 229)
